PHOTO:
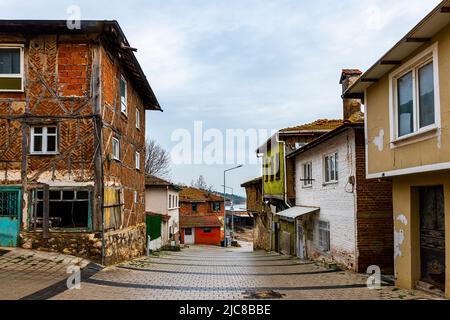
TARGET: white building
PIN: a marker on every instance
(162, 203)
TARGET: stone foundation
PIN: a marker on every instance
(121, 245)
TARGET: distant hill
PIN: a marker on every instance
(236, 199)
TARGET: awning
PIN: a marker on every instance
(297, 211)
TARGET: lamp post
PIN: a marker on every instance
(232, 210)
(224, 201)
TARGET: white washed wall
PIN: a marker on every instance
(337, 206)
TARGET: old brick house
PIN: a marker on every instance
(340, 216)
(201, 216)
(72, 133)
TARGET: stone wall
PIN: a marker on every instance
(121, 245)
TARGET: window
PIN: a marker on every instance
(123, 95)
(116, 148)
(194, 207)
(414, 104)
(323, 236)
(176, 202)
(188, 231)
(11, 69)
(136, 197)
(331, 168)
(307, 174)
(277, 166)
(170, 201)
(44, 140)
(216, 206)
(266, 170)
(298, 145)
(68, 208)
(138, 119)
(137, 159)
(207, 230)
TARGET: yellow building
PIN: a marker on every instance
(407, 102)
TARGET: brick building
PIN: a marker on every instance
(340, 216)
(204, 206)
(72, 139)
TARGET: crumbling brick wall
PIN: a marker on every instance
(202, 208)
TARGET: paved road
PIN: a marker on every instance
(200, 272)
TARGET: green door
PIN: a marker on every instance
(154, 226)
(9, 216)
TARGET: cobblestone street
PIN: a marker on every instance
(198, 272)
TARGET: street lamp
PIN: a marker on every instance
(232, 210)
(224, 201)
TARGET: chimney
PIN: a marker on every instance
(349, 77)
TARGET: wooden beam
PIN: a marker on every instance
(46, 215)
(390, 62)
(418, 40)
(445, 10)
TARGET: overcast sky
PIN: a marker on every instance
(244, 63)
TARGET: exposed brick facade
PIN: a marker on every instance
(375, 227)
(72, 81)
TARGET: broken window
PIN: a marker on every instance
(113, 204)
(68, 208)
(123, 95)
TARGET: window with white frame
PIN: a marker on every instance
(307, 174)
(323, 236)
(137, 160)
(116, 148)
(11, 68)
(331, 168)
(44, 140)
(136, 197)
(170, 201)
(123, 95)
(414, 92)
(138, 119)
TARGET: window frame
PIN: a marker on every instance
(138, 118)
(137, 160)
(320, 242)
(307, 183)
(22, 66)
(429, 55)
(114, 139)
(336, 175)
(196, 206)
(122, 109)
(44, 136)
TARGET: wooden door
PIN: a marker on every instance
(432, 236)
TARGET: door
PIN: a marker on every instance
(432, 236)
(9, 216)
(300, 247)
(189, 236)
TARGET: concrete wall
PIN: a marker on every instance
(337, 204)
(407, 223)
(432, 148)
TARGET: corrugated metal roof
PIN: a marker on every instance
(435, 21)
(297, 211)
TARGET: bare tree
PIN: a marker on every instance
(200, 183)
(157, 160)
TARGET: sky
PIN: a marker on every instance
(243, 64)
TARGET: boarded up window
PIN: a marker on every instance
(113, 208)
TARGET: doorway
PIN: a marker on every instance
(10, 203)
(300, 245)
(189, 236)
(432, 236)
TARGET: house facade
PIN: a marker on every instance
(72, 134)
(201, 216)
(162, 204)
(278, 175)
(408, 142)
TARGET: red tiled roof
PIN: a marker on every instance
(190, 194)
(199, 221)
(321, 124)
